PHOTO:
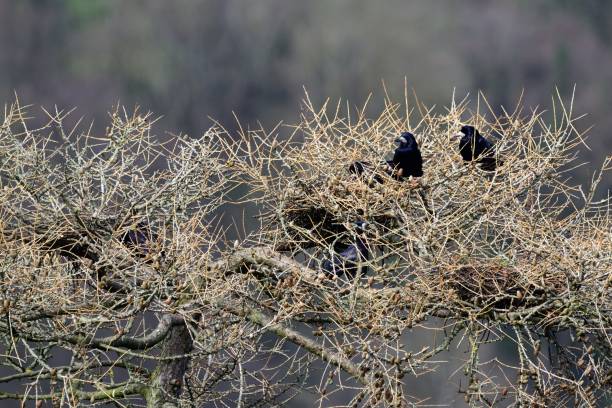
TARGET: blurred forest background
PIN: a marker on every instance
(189, 60)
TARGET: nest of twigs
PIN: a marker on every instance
(496, 286)
(484, 248)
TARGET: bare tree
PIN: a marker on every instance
(119, 287)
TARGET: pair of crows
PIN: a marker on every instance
(407, 162)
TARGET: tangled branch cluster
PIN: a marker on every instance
(111, 258)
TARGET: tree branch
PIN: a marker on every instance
(267, 323)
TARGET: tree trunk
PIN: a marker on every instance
(167, 379)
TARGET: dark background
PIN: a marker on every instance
(191, 60)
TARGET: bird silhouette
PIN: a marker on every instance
(347, 261)
(366, 170)
(474, 147)
(407, 160)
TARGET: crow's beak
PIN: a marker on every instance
(459, 134)
(401, 140)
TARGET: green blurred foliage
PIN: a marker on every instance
(188, 60)
(86, 12)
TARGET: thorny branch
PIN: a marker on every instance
(113, 257)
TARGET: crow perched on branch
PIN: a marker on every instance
(348, 260)
(474, 147)
(407, 160)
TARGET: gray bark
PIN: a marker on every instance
(168, 378)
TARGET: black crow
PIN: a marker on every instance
(474, 147)
(407, 160)
(366, 170)
(348, 260)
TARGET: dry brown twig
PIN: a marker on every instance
(517, 255)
